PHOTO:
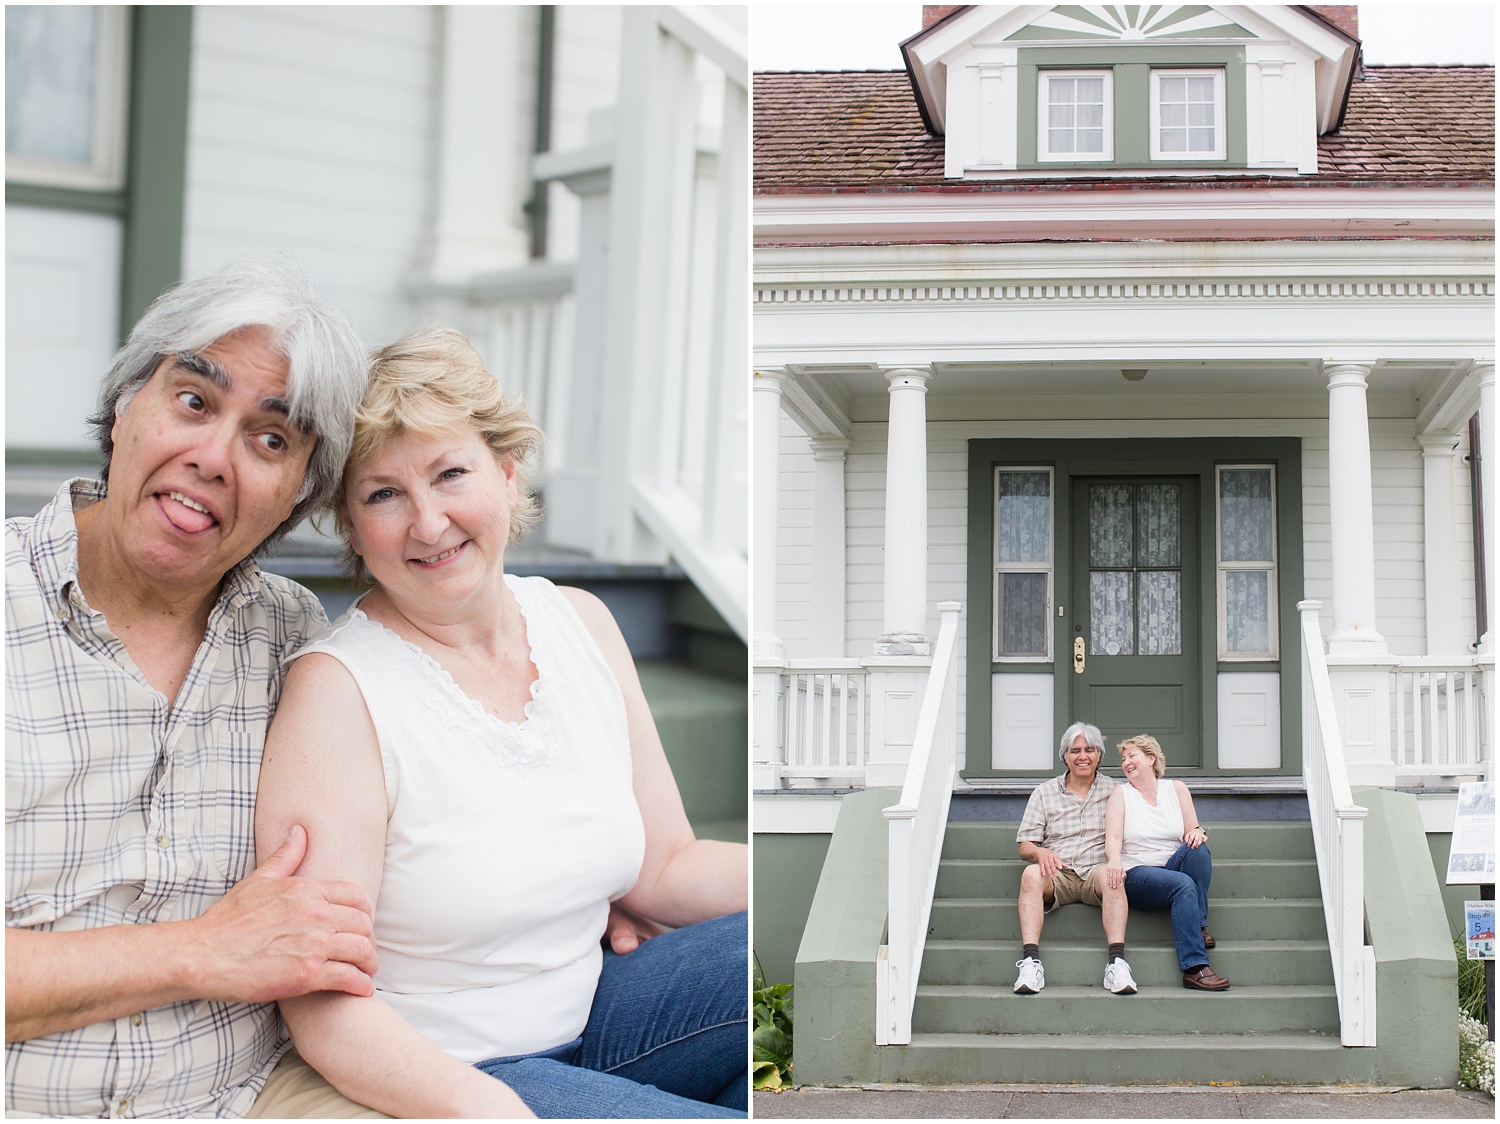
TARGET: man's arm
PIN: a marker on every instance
(1029, 838)
(270, 937)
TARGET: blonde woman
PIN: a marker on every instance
(473, 750)
(1155, 847)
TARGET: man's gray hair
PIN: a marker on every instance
(1088, 730)
(327, 363)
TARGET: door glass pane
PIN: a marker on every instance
(50, 54)
(1158, 523)
(1247, 610)
(1111, 620)
(1111, 542)
(1023, 517)
(1160, 612)
(1023, 602)
(1245, 515)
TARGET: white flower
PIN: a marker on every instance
(1476, 1055)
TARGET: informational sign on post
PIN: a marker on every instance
(1479, 928)
(1472, 858)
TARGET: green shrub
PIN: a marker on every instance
(1470, 984)
(772, 1039)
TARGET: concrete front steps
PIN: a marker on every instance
(1278, 1024)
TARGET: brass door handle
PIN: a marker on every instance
(1078, 655)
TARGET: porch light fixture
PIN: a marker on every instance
(1134, 374)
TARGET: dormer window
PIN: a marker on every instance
(1076, 111)
(1187, 115)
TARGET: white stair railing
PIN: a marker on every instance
(916, 827)
(1338, 836)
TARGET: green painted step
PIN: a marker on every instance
(1106, 1059)
(1153, 964)
(703, 719)
(1233, 878)
(1228, 919)
(1249, 839)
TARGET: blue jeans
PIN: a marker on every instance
(667, 1038)
(1182, 887)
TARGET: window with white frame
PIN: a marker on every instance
(1023, 564)
(1075, 115)
(1187, 115)
(65, 77)
(1248, 620)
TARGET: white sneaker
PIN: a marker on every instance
(1117, 977)
(1032, 979)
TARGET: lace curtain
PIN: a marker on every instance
(49, 81)
(1247, 536)
(1135, 595)
(1023, 538)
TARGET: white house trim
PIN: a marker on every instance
(904, 633)
(1440, 571)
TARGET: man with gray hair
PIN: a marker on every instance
(1062, 836)
(143, 953)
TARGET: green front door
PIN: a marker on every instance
(1133, 611)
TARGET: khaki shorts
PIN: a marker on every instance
(1069, 887)
(295, 1090)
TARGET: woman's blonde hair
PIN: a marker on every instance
(432, 381)
(1151, 748)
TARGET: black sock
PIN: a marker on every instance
(1032, 950)
(1116, 952)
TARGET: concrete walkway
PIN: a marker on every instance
(1084, 1102)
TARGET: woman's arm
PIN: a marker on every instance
(322, 769)
(683, 879)
(1192, 831)
(1114, 837)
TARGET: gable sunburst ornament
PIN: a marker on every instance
(1132, 21)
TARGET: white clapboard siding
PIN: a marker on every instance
(310, 135)
(585, 79)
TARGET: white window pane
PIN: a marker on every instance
(1158, 525)
(1245, 515)
(1160, 612)
(50, 78)
(1111, 623)
(1247, 611)
(1060, 116)
(1173, 116)
(1060, 90)
(1023, 517)
(1091, 117)
(1111, 525)
(1202, 115)
(1174, 141)
(1091, 140)
(1173, 88)
(1060, 141)
(1201, 88)
(1022, 609)
(1091, 89)
(1200, 140)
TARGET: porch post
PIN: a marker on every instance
(905, 619)
(1351, 513)
(768, 751)
(1440, 546)
(1489, 422)
(828, 518)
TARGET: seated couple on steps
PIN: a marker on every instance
(1114, 846)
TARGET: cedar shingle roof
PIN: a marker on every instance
(860, 131)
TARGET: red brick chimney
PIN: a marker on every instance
(931, 13)
(1345, 17)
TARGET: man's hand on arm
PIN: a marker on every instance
(270, 937)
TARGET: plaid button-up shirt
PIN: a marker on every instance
(1059, 821)
(124, 809)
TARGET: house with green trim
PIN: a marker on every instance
(545, 179)
(1131, 364)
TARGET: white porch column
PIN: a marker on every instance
(1489, 422)
(1351, 513)
(905, 619)
(1440, 546)
(828, 517)
(767, 749)
(485, 149)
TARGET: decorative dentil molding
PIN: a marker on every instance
(1127, 291)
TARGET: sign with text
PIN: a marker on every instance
(1471, 860)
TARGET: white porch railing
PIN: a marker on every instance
(825, 722)
(659, 431)
(1338, 835)
(916, 828)
(1442, 717)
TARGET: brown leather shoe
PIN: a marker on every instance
(1208, 938)
(1203, 979)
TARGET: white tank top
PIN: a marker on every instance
(505, 842)
(1152, 835)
